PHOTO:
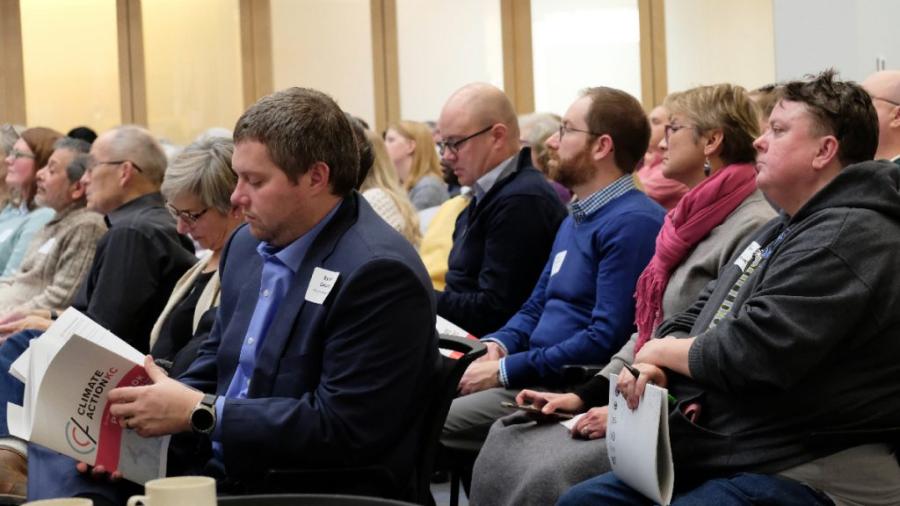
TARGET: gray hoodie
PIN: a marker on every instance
(807, 361)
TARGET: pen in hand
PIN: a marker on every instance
(634, 372)
(637, 374)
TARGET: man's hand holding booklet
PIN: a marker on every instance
(68, 373)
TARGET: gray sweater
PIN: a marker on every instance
(429, 191)
(805, 362)
(57, 260)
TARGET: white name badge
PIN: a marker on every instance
(747, 255)
(320, 285)
(5, 234)
(47, 247)
(558, 262)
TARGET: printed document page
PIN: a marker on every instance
(638, 442)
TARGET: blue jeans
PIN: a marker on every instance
(741, 489)
(11, 389)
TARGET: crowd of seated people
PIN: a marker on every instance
(607, 239)
(286, 298)
(708, 148)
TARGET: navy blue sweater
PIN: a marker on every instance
(582, 310)
(499, 248)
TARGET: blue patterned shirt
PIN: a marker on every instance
(583, 209)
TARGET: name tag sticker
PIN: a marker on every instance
(558, 262)
(47, 247)
(747, 255)
(5, 234)
(320, 285)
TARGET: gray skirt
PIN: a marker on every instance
(524, 463)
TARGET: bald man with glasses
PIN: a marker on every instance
(503, 237)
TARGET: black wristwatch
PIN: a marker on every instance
(203, 417)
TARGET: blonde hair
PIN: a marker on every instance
(424, 158)
(723, 106)
(383, 175)
(203, 170)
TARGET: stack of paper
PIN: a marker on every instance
(68, 372)
(638, 442)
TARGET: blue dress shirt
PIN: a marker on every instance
(279, 267)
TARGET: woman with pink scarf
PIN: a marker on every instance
(707, 146)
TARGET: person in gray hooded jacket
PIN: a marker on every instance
(786, 369)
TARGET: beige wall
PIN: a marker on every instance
(71, 63)
(583, 43)
(713, 41)
(442, 46)
(327, 45)
(192, 55)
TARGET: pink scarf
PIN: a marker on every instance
(699, 211)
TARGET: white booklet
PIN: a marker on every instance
(68, 372)
(638, 442)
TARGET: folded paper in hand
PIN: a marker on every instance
(445, 327)
(68, 372)
(638, 442)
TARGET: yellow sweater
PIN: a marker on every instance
(438, 239)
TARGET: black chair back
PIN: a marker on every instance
(456, 355)
(307, 500)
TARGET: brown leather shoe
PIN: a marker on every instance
(13, 473)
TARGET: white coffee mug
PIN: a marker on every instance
(180, 491)
(75, 501)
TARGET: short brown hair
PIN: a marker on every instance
(619, 115)
(40, 141)
(840, 108)
(723, 106)
(299, 127)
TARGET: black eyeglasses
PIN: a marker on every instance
(16, 154)
(115, 162)
(563, 128)
(453, 146)
(187, 216)
(670, 129)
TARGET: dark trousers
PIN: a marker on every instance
(740, 490)
(11, 389)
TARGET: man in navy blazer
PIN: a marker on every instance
(324, 343)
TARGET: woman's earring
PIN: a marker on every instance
(707, 167)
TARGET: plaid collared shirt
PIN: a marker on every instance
(583, 209)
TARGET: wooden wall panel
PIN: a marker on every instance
(518, 73)
(12, 72)
(654, 79)
(132, 78)
(385, 66)
(256, 50)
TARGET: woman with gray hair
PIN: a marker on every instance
(534, 130)
(197, 188)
